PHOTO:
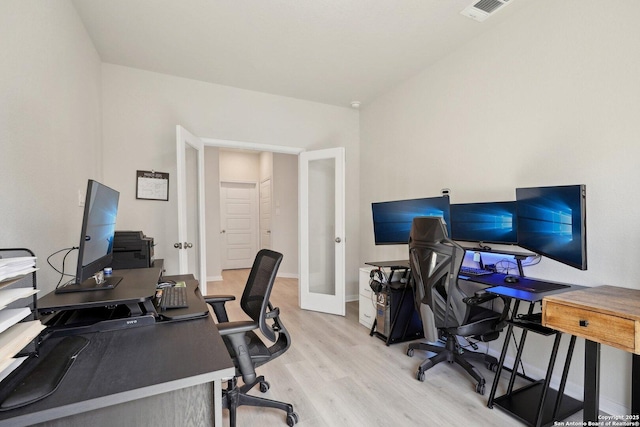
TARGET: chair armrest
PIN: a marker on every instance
(210, 299)
(479, 298)
(234, 328)
(217, 303)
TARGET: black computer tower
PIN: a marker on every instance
(397, 319)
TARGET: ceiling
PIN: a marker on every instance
(328, 51)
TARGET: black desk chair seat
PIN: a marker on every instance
(446, 311)
(245, 347)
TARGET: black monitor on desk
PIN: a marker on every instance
(95, 250)
(490, 222)
(552, 222)
(392, 220)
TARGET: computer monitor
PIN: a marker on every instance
(392, 220)
(552, 222)
(96, 239)
(491, 222)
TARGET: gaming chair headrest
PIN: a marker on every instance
(429, 229)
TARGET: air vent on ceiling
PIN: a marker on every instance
(481, 10)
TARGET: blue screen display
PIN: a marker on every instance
(392, 220)
(494, 222)
(552, 222)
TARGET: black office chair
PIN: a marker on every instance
(247, 350)
(446, 311)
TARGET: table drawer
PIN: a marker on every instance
(604, 328)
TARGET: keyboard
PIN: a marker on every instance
(471, 271)
(172, 297)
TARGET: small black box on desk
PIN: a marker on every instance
(132, 249)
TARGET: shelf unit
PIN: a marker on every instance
(535, 404)
(20, 326)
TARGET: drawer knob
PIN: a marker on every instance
(584, 323)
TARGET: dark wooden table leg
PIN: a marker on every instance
(591, 380)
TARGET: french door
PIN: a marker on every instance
(322, 230)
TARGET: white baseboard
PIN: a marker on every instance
(214, 279)
(288, 275)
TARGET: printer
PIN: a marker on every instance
(132, 249)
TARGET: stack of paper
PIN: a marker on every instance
(17, 337)
(11, 316)
(7, 296)
(15, 267)
(14, 334)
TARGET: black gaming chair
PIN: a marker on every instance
(247, 350)
(446, 311)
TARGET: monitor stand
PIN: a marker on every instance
(110, 282)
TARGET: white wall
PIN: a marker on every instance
(550, 97)
(50, 126)
(239, 166)
(141, 109)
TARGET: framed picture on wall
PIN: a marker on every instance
(152, 185)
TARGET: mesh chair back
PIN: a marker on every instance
(435, 262)
(255, 298)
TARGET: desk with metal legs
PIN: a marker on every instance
(535, 404)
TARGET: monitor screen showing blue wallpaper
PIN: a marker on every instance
(494, 222)
(552, 222)
(392, 220)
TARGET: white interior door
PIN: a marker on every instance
(265, 214)
(191, 219)
(239, 218)
(322, 231)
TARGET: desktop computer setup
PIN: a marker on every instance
(103, 250)
(101, 298)
(549, 221)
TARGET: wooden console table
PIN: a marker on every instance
(601, 315)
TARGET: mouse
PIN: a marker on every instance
(511, 279)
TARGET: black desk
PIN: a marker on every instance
(535, 404)
(130, 375)
(138, 285)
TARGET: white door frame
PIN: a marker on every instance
(224, 143)
(184, 138)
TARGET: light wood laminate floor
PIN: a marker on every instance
(335, 374)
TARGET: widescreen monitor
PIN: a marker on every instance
(492, 222)
(95, 250)
(392, 220)
(552, 222)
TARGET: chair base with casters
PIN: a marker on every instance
(235, 396)
(452, 352)
(248, 350)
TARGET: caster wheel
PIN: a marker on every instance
(264, 386)
(493, 367)
(292, 419)
(420, 376)
(480, 389)
(410, 352)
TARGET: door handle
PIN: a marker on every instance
(188, 245)
(223, 231)
(177, 245)
(338, 240)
